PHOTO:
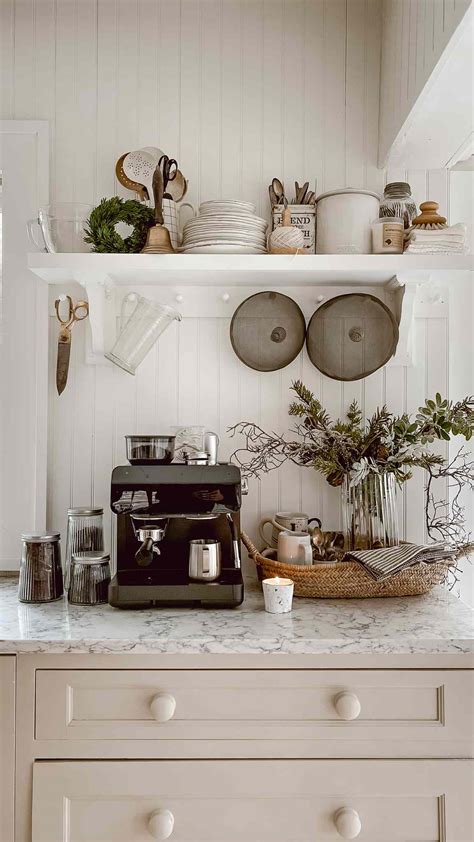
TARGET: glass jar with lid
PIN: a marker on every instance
(41, 575)
(85, 533)
(397, 201)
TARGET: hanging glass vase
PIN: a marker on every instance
(370, 513)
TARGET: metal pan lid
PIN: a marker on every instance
(40, 538)
(351, 336)
(91, 558)
(84, 511)
(267, 331)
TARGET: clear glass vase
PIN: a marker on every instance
(369, 511)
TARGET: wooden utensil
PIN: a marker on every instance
(300, 193)
(279, 190)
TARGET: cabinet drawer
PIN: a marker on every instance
(245, 801)
(306, 705)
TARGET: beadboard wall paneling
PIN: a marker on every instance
(238, 91)
(415, 34)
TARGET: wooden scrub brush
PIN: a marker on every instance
(429, 218)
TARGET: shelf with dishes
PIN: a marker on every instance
(243, 269)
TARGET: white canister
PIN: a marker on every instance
(303, 217)
(344, 221)
(278, 595)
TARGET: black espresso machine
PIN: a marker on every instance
(160, 510)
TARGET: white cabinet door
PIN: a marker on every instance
(7, 745)
(344, 713)
(253, 801)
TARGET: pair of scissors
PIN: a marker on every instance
(76, 313)
(169, 174)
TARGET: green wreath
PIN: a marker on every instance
(100, 227)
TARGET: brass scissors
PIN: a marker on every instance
(76, 313)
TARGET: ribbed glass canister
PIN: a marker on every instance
(85, 534)
(41, 575)
(370, 512)
(397, 201)
(89, 578)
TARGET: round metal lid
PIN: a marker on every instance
(38, 538)
(347, 190)
(84, 511)
(267, 331)
(91, 558)
(351, 336)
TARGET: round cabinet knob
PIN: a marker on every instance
(162, 707)
(348, 824)
(347, 705)
(161, 824)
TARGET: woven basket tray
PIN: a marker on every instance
(347, 579)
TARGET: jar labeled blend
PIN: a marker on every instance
(397, 201)
(85, 533)
(41, 575)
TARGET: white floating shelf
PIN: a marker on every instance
(242, 270)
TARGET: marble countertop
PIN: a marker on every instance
(434, 624)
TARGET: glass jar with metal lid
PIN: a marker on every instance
(397, 201)
(85, 533)
(89, 578)
(41, 575)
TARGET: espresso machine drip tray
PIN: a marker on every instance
(163, 588)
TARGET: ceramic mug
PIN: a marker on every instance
(290, 521)
(172, 219)
(295, 548)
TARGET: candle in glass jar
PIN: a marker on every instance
(278, 595)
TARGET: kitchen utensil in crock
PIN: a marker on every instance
(150, 450)
(127, 182)
(267, 331)
(279, 190)
(169, 168)
(76, 313)
(139, 166)
(351, 336)
(140, 330)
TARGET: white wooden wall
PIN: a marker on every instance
(238, 91)
(414, 35)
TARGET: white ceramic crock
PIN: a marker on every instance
(344, 221)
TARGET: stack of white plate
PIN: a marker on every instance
(225, 227)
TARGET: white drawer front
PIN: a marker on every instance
(361, 705)
(246, 801)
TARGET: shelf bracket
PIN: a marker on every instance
(101, 294)
(403, 294)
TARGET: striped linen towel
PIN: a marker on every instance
(386, 562)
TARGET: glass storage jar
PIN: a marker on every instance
(85, 534)
(41, 575)
(397, 201)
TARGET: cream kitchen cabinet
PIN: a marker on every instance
(245, 801)
(7, 745)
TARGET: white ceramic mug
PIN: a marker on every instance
(295, 548)
(289, 521)
(172, 219)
